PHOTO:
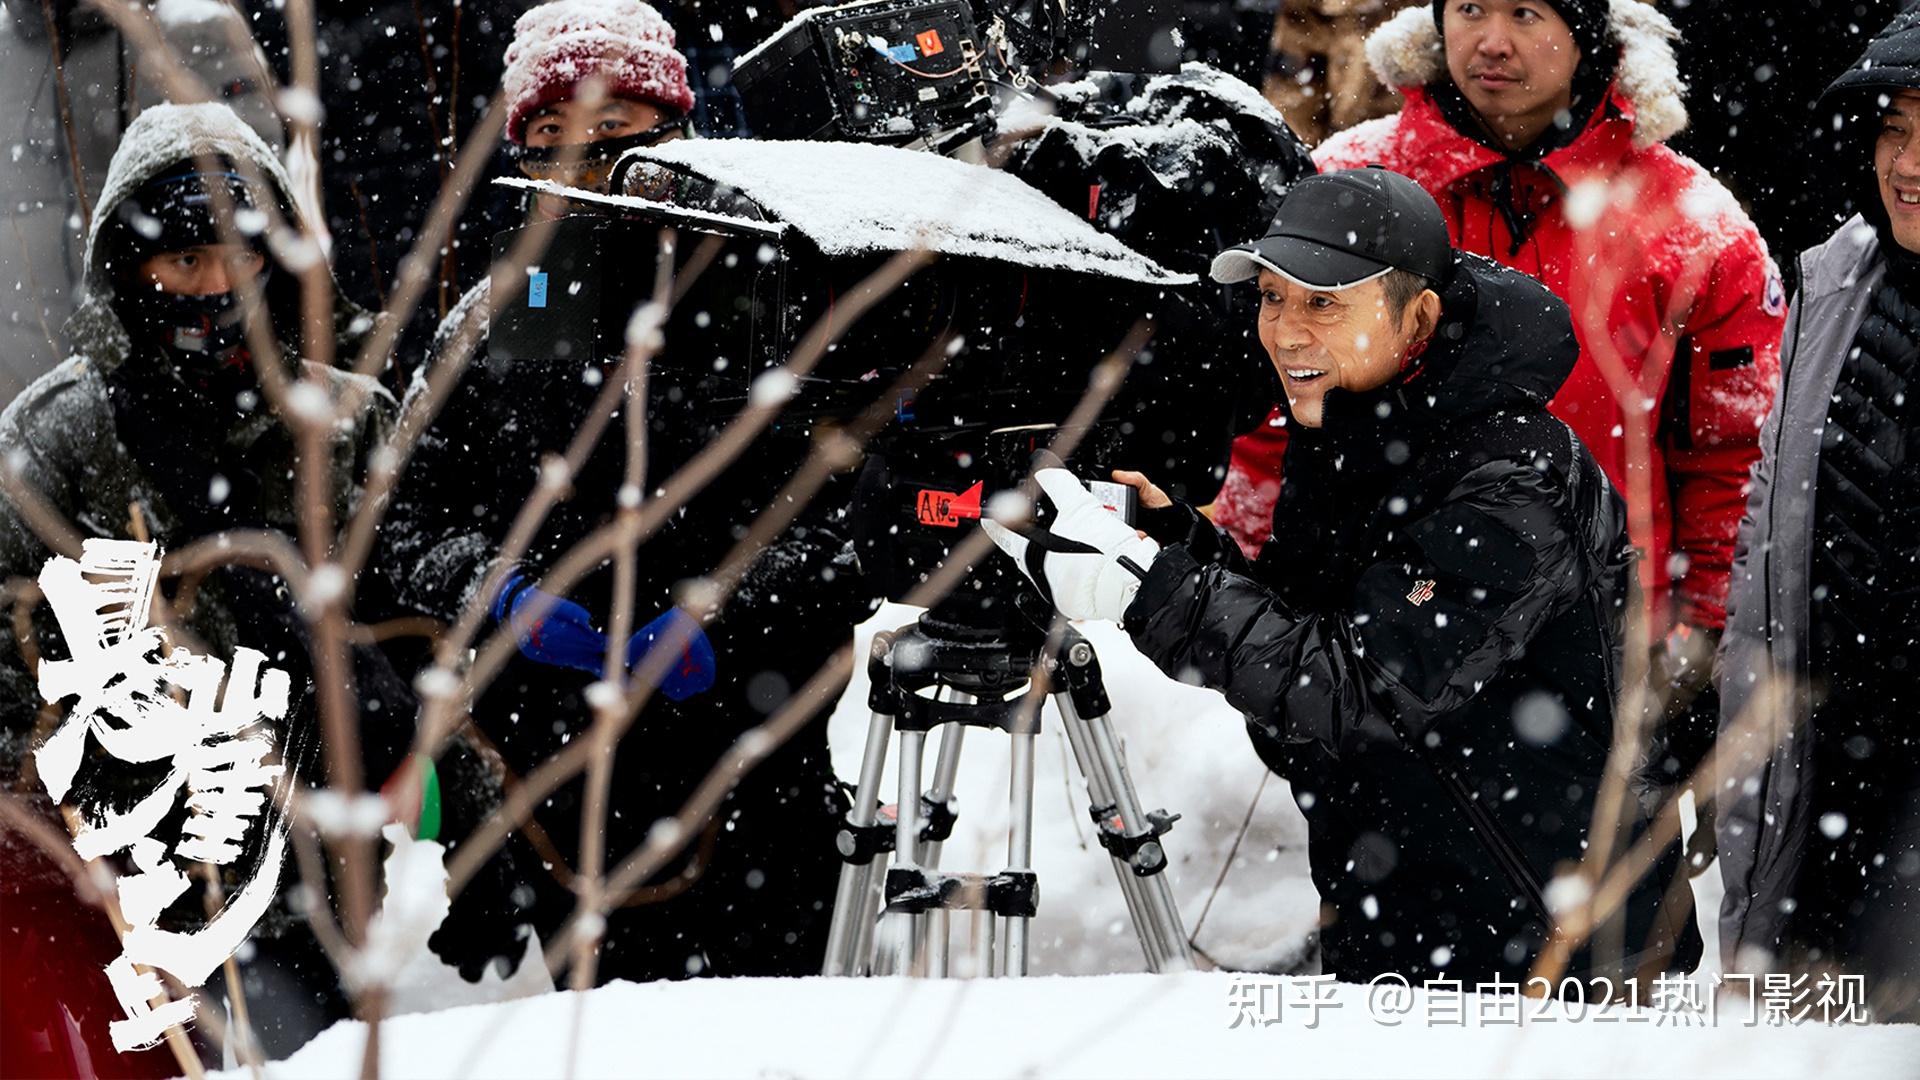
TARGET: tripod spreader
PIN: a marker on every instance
(1009, 893)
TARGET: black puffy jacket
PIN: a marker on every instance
(1428, 648)
(761, 902)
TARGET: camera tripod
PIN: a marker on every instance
(965, 664)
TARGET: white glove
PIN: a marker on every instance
(1081, 565)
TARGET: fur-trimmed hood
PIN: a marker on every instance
(1406, 52)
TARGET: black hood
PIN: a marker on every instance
(1890, 63)
(1505, 345)
(1505, 342)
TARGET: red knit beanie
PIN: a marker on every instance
(558, 45)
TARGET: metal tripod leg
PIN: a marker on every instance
(946, 770)
(906, 838)
(983, 952)
(1099, 795)
(851, 932)
(1019, 845)
(1156, 918)
(1155, 889)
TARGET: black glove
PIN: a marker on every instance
(488, 922)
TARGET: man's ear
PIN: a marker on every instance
(1425, 312)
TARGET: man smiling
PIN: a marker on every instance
(1539, 127)
(1427, 648)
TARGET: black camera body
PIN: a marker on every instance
(1024, 343)
(879, 72)
(900, 71)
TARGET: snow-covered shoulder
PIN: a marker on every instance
(1359, 145)
(66, 404)
(1707, 219)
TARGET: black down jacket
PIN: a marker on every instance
(762, 879)
(1428, 648)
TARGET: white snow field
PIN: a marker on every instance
(1088, 1011)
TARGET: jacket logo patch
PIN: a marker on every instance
(1775, 301)
(1422, 592)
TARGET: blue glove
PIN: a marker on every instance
(563, 637)
(693, 673)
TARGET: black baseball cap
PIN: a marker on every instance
(1341, 229)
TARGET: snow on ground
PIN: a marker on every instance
(1110, 1027)
(1085, 1013)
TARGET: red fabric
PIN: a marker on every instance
(55, 1003)
(1673, 228)
(1244, 506)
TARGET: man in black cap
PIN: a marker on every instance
(1541, 128)
(1427, 649)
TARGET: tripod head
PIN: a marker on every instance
(987, 634)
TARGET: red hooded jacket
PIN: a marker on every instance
(1645, 247)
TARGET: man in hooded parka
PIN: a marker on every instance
(157, 428)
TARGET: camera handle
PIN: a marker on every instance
(982, 685)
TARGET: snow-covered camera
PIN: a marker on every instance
(1027, 297)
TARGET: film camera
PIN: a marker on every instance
(1030, 297)
(1026, 297)
(897, 71)
(1032, 291)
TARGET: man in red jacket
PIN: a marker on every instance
(1538, 126)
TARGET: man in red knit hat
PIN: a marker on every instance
(592, 79)
(586, 81)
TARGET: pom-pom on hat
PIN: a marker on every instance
(559, 45)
